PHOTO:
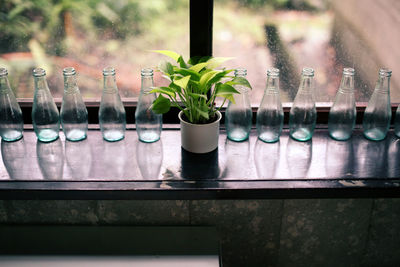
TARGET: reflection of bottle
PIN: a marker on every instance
(113, 159)
(378, 113)
(51, 159)
(74, 116)
(11, 123)
(342, 116)
(45, 116)
(112, 118)
(270, 112)
(148, 123)
(303, 114)
(237, 159)
(79, 158)
(394, 158)
(266, 158)
(149, 158)
(298, 157)
(339, 159)
(397, 122)
(370, 159)
(238, 115)
(14, 158)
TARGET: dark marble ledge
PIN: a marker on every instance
(129, 169)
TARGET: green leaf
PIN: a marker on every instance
(164, 90)
(219, 76)
(175, 56)
(199, 67)
(182, 62)
(166, 67)
(217, 61)
(186, 72)
(161, 105)
(203, 113)
(206, 77)
(240, 81)
(198, 59)
(182, 82)
(225, 89)
(196, 96)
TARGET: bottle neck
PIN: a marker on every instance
(4, 83)
(110, 84)
(70, 84)
(147, 83)
(40, 83)
(272, 84)
(307, 85)
(347, 84)
(383, 84)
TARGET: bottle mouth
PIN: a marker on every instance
(240, 71)
(38, 72)
(147, 72)
(3, 72)
(273, 72)
(107, 71)
(385, 72)
(307, 72)
(348, 71)
(69, 71)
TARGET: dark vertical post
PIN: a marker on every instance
(201, 22)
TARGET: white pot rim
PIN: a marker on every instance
(219, 116)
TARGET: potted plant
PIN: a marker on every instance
(193, 88)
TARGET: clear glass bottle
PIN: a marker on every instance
(378, 113)
(148, 123)
(45, 115)
(74, 116)
(112, 116)
(397, 122)
(11, 122)
(238, 115)
(270, 113)
(303, 114)
(342, 115)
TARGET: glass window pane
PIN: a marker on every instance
(89, 35)
(325, 35)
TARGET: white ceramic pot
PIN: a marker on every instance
(199, 138)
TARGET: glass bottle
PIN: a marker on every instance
(11, 122)
(270, 113)
(238, 115)
(112, 116)
(45, 115)
(148, 123)
(397, 122)
(378, 113)
(74, 116)
(342, 115)
(303, 114)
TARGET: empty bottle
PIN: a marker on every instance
(11, 122)
(378, 113)
(112, 116)
(303, 114)
(342, 116)
(74, 116)
(45, 115)
(270, 113)
(148, 123)
(397, 122)
(238, 115)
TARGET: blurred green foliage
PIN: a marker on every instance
(49, 21)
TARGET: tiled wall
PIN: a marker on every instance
(309, 232)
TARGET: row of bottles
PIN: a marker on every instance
(303, 113)
(73, 114)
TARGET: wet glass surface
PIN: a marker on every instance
(94, 159)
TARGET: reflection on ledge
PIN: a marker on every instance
(394, 156)
(149, 157)
(14, 158)
(298, 157)
(339, 160)
(237, 159)
(111, 158)
(266, 158)
(199, 166)
(50, 157)
(79, 158)
(371, 158)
